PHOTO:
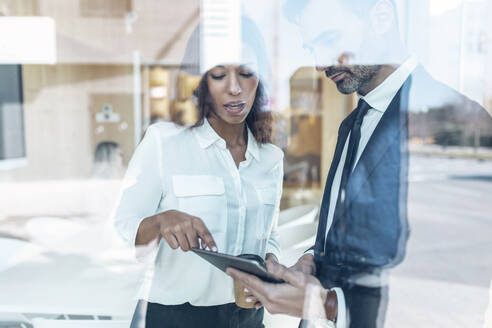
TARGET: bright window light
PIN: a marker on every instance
(27, 40)
(439, 7)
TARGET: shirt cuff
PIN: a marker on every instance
(342, 315)
(128, 229)
(147, 254)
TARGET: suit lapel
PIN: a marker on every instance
(325, 204)
(386, 134)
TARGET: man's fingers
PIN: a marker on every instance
(308, 268)
(204, 234)
(254, 284)
(276, 269)
(305, 269)
(282, 272)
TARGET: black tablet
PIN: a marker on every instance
(248, 263)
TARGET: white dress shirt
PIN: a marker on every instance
(192, 171)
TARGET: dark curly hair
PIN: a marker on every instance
(259, 119)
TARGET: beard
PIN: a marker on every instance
(357, 76)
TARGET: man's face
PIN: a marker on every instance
(337, 38)
(351, 78)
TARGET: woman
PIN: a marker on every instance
(216, 184)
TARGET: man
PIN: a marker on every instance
(363, 228)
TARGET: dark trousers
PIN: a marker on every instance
(366, 306)
(154, 315)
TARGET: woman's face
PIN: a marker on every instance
(232, 89)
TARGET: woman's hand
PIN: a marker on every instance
(250, 298)
(183, 230)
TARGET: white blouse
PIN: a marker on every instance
(192, 171)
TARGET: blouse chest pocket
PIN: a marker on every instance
(267, 197)
(202, 196)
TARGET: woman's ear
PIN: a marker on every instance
(382, 17)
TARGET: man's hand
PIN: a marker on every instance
(301, 296)
(305, 264)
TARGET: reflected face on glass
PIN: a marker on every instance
(330, 31)
(232, 90)
(337, 38)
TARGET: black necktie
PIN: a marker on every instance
(339, 215)
(361, 111)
